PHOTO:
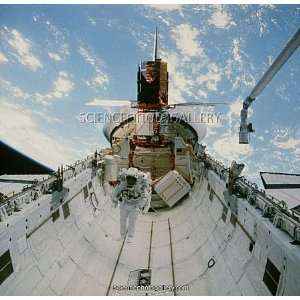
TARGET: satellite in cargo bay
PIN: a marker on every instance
(153, 84)
(152, 81)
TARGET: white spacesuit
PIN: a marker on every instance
(133, 194)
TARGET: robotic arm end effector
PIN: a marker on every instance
(245, 128)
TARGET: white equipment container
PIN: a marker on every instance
(111, 168)
(172, 187)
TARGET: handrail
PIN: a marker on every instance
(219, 168)
(10, 201)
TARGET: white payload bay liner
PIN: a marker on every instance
(111, 168)
(199, 246)
(172, 187)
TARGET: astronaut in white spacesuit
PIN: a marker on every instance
(133, 195)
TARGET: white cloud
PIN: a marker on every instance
(211, 78)
(54, 56)
(236, 50)
(238, 69)
(290, 143)
(12, 91)
(202, 94)
(101, 79)
(228, 148)
(178, 82)
(15, 94)
(166, 7)
(261, 18)
(186, 75)
(62, 86)
(88, 58)
(19, 129)
(92, 21)
(186, 39)
(235, 108)
(3, 58)
(61, 45)
(46, 117)
(220, 18)
(164, 20)
(22, 49)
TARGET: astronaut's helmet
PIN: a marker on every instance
(131, 180)
(131, 176)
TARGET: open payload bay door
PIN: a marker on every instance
(14, 162)
(283, 186)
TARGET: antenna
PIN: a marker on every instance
(155, 48)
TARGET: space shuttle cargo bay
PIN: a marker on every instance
(199, 247)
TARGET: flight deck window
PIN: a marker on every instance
(6, 267)
(271, 277)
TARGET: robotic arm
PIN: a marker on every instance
(286, 53)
